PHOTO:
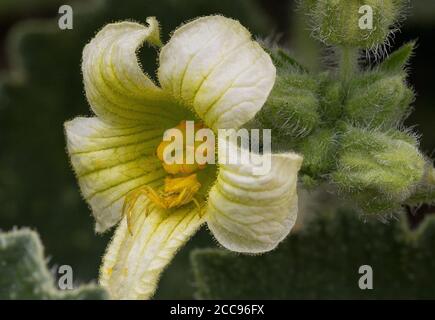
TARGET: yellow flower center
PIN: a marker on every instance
(181, 184)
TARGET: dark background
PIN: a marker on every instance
(40, 88)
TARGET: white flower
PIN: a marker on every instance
(210, 70)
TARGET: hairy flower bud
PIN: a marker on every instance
(379, 171)
(378, 100)
(319, 152)
(354, 23)
(292, 108)
(331, 101)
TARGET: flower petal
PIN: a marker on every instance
(116, 87)
(212, 65)
(110, 162)
(253, 213)
(133, 262)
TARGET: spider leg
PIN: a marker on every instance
(181, 197)
(131, 199)
(155, 197)
(129, 202)
(196, 202)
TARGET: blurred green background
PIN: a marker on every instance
(41, 88)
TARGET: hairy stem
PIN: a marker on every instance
(348, 64)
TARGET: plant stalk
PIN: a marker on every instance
(348, 64)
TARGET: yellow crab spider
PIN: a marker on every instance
(177, 192)
(180, 186)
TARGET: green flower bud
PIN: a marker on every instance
(319, 152)
(378, 100)
(354, 23)
(292, 107)
(379, 171)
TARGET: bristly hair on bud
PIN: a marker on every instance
(378, 170)
(365, 24)
(292, 109)
(348, 121)
(378, 100)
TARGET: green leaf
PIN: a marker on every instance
(24, 274)
(398, 60)
(322, 262)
